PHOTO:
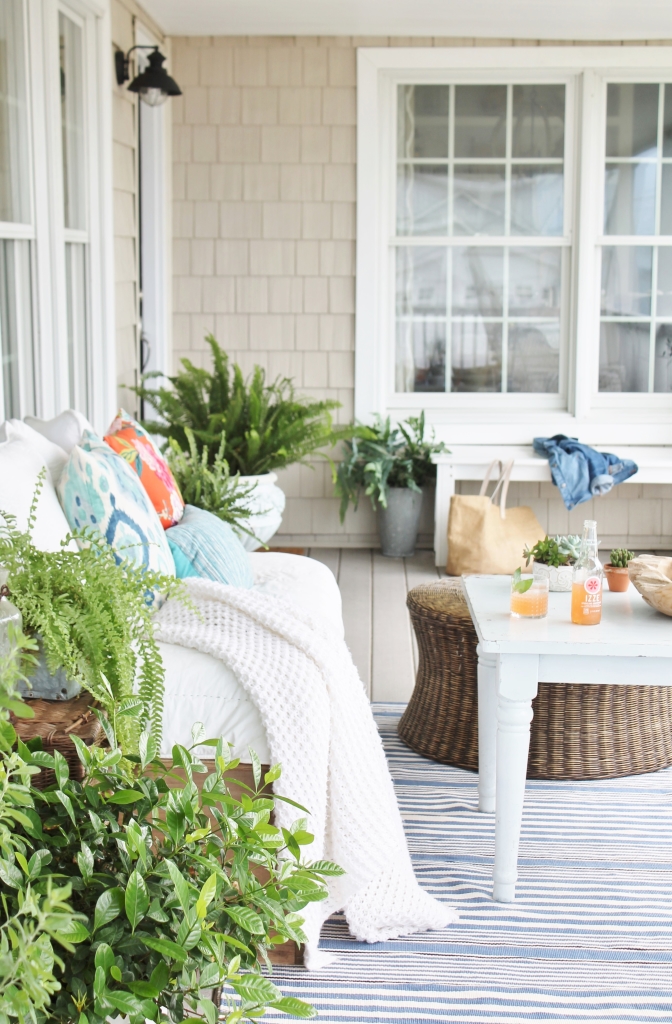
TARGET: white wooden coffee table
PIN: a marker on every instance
(632, 645)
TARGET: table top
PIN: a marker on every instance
(629, 626)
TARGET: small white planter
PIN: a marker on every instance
(559, 578)
(267, 503)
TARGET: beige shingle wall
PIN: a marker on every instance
(264, 246)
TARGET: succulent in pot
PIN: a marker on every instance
(617, 569)
(553, 560)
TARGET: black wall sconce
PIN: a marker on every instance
(153, 85)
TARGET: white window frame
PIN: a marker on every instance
(47, 229)
(491, 418)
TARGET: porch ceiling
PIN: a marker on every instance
(509, 19)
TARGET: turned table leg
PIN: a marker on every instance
(487, 729)
(517, 685)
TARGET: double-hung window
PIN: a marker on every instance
(56, 278)
(515, 237)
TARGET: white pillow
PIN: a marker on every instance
(20, 465)
(52, 454)
(65, 430)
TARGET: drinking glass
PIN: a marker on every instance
(533, 603)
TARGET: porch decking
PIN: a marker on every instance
(377, 625)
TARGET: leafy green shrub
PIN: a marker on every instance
(27, 959)
(620, 557)
(180, 890)
(384, 456)
(209, 485)
(254, 425)
(93, 619)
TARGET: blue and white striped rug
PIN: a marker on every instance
(589, 937)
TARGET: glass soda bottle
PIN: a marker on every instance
(587, 580)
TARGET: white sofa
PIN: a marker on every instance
(198, 687)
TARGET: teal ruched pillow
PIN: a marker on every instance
(202, 545)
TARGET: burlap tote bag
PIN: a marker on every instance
(485, 537)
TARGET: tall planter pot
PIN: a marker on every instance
(267, 503)
(398, 523)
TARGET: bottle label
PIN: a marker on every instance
(593, 585)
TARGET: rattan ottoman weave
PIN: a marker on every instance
(579, 731)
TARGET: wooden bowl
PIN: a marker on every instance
(652, 576)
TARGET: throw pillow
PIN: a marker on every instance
(128, 439)
(100, 490)
(65, 430)
(54, 456)
(20, 467)
(204, 546)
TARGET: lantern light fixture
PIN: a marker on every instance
(153, 85)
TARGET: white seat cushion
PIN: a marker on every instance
(65, 430)
(53, 455)
(20, 466)
(200, 688)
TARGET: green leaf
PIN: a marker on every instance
(303, 838)
(115, 973)
(209, 1010)
(326, 867)
(10, 874)
(255, 988)
(519, 585)
(41, 758)
(125, 1002)
(39, 860)
(67, 803)
(247, 919)
(108, 906)
(70, 932)
(236, 943)
(160, 976)
(165, 947)
(61, 770)
(272, 774)
(292, 844)
(206, 896)
(147, 748)
(210, 975)
(85, 862)
(125, 796)
(181, 885)
(295, 1007)
(136, 899)
(104, 956)
(130, 706)
(157, 913)
(256, 767)
(144, 989)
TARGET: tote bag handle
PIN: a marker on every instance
(502, 484)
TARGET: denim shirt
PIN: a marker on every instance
(580, 472)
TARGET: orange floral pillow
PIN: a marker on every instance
(128, 439)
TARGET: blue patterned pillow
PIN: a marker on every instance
(98, 488)
(204, 546)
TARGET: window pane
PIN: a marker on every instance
(14, 176)
(75, 277)
(624, 357)
(626, 280)
(536, 199)
(534, 282)
(478, 281)
(421, 355)
(664, 298)
(72, 122)
(632, 119)
(478, 200)
(16, 329)
(476, 356)
(667, 122)
(666, 201)
(480, 121)
(422, 123)
(534, 357)
(630, 199)
(662, 371)
(538, 121)
(422, 200)
(421, 281)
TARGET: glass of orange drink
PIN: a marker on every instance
(529, 597)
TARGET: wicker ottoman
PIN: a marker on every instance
(55, 721)
(579, 731)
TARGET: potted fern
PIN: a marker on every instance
(255, 425)
(554, 559)
(391, 466)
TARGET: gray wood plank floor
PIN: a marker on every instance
(377, 625)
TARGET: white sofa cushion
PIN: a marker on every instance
(53, 455)
(200, 688)
(65, 430)
(20, 466)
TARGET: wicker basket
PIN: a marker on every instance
(54, 722)
(579, 731)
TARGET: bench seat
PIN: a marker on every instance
(469, 462)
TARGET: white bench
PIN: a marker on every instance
(469, 462)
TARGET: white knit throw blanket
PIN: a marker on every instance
(301, 677)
